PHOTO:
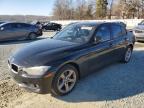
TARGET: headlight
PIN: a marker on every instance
(36, 70)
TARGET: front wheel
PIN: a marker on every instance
(127, 55)
(65, 80)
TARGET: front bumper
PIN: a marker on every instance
(40, 85)
(139, 38)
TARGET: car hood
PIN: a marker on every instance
(41, 52)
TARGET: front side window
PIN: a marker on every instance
(104, 33)
(78, 33)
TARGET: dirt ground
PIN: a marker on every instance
(116, 86)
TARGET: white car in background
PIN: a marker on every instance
(139, 31)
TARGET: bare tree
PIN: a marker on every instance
(88, 9)
(111, 6)
(63, 9)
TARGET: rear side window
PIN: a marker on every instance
(25, 25)
(16, 25)
(116, 31)
(104, 33)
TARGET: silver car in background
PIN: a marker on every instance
(139, 31)
(13, 31)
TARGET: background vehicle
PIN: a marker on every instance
(52, 26)
(38, 24)
(55, 65)
(13, 30)
(139, 31)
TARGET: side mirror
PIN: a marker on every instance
(2, 28)
(98, 39)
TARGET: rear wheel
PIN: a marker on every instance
(32, 36)
(65, 80)
(127, 55)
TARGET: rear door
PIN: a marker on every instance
(119, 40)
(22, 30)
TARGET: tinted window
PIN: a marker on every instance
(10, 26)
(116, 30)
(7, 26)
(25, 25)
(14, 25)
(104, 33)
(49, 24)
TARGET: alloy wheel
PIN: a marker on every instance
(128, 54)
(66, 81)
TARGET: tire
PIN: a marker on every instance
(64, 81)
(32, 36)
(127, 54)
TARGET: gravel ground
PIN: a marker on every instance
(116, 86)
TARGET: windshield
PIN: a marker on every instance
(78, 33)
(142, 22)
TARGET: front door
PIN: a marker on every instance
(99, 54)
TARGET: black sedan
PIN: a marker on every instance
(55, 65)
(52, 26)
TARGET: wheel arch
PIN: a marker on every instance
(31, 33)
(72, 64)
(131, 45)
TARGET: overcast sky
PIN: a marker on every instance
(26, 7)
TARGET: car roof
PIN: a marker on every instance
(99, 23)
(88, 23)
